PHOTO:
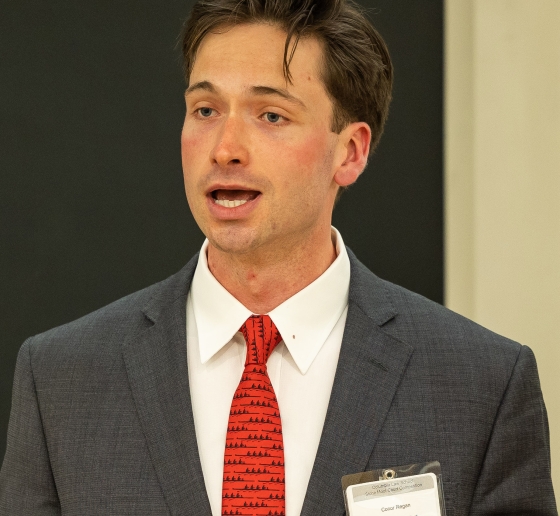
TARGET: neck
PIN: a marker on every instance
(264, 279)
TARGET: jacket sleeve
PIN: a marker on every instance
(515, 477)
(27, 485)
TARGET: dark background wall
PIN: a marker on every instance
(92, 204)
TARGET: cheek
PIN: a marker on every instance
(312, 149)
(191, 145)
(303, 176)
(193, 156)
(308, 160)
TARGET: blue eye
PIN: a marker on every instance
(273, 117)
(205, 111)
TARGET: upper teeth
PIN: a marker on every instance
(229, 204)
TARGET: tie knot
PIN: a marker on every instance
(261, 336)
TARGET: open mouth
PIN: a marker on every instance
(233, 198)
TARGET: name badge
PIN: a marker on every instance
(415, 495)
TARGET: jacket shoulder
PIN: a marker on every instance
(461, 354)
(104, 330)
(426, 320)
(440, 337)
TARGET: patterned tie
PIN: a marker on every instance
(254, 456)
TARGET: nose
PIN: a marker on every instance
(231, 145)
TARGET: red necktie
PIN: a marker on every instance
(254, 456)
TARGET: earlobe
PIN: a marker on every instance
(356, 138)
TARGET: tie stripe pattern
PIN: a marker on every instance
(254, 456)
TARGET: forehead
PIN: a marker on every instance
(248, 54)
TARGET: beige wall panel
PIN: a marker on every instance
(459, 157)
(515, 231)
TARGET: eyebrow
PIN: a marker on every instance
(280, 92)
(255, 90)
(201, 85)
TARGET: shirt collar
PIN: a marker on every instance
(305, 320)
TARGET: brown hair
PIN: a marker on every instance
(357, 71)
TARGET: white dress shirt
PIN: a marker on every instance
(301, 368)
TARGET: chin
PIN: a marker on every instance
(232, 240)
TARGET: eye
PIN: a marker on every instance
(204, 112)
(273, 118)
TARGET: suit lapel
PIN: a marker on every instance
(156, 364)
(370, 368)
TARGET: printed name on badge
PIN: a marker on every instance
(416, 495)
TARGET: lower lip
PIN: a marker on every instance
(239, 212)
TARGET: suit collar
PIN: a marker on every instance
(369, 293)
(168, 291)
(156, 365)
(370, 368)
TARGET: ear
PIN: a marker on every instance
(354, 143)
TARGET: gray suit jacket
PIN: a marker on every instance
(102, 424)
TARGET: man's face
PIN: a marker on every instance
(258, 154)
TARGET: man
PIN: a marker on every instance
(274, 362)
